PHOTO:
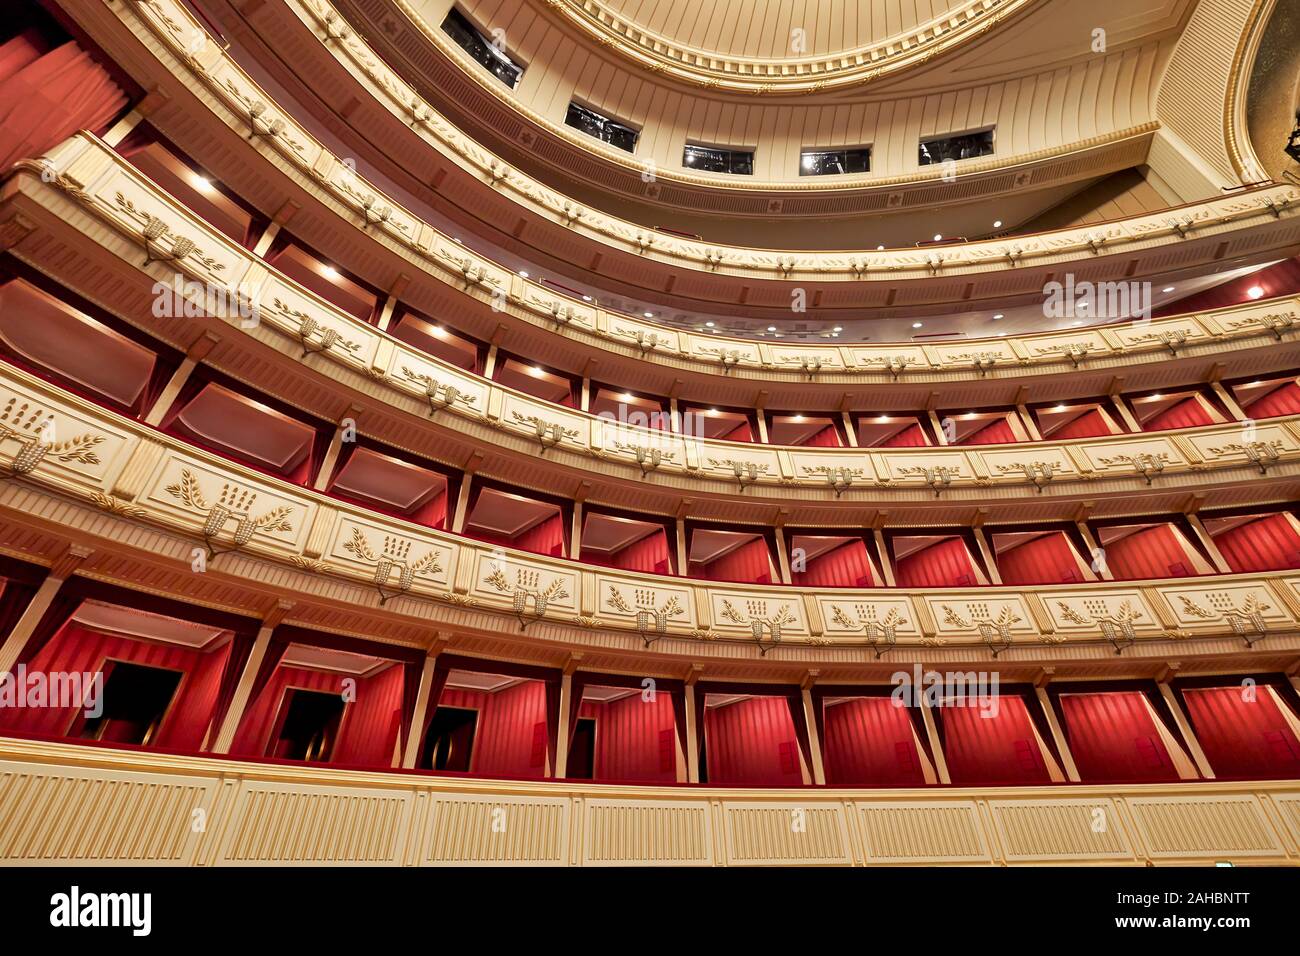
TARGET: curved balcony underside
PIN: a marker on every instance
(112, 483)
(681, 272)
(99, 197)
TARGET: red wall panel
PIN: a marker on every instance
(1265, 544)
(1185, 414)
(1090, 424)
(1155, 552)
(1283, 400)
(629, 734)
(80, 649)
(748, 564)
(870, 743)
(997, 432)
(1049, 559)
(1243, 733)
(846, 566)
(508, 722)
(1000, 749)
(752, 741)
(913, 436)
(1113, 738)
(946, 564)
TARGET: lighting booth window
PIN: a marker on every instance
(952, 147)
(486, 53)
(601, 127)
(713, 159)
(834, 162)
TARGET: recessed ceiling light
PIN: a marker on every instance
(713, 411)
(1001, 334)
(1255, 292)
(880, 248)
(708, 325)
(1167, 288)
(917, 325)
(586, 298)
(838, 328)
(202, 183)
(330, 272)
(1059, 408)
(997, 224)
(626, 397)
(797, 418)
(536, 371)
(648, 315)
(1077, 322)
(938, 237)
(771, 328)
(997, 315)
(883, 418)
(524, 273)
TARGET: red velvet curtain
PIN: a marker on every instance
(846, 566)
(828, 437)
(1243, 733)
(1155, 552)
(45, 97)
(649, 555)
(1265, 544)
(997, 432)
(545, 538)
(754, 742)
(635, 739)
(1188, 413)
(913, 436)
(1113, 738)
(513, 728)
(1283, 400)
(19, 582)
(869, 742)
(742, 432)
(747, 564)
(1091, 424)
(989, 749)
(1047, 559)
(946, 564)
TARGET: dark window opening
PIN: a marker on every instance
(834, 162)
(709, 159)
(941, 149)
(582, 752)
(601, 127)
(449, 744)
(134, 702)
(309, 725)
(483, 51)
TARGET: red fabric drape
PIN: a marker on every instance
(80, 649)
(997, 749)
(545, 538)
(1155, 552)
(1113, 738)
(513, 726)
(869, 742)
(913, 436)
(1185, 414)
(1265, 544)
(1283, 400)
(946, 564)
(828, 437)
(994, 433)
(1091, 424)
(748, 564)
(846, 566)
(1243, 733)
(635, 739)
(1048, 559)
(46, 97)
(752, 741)
(650, 555)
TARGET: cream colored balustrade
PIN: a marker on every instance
(187, 40)
(109, 188)
(53, 441)
(138, 808)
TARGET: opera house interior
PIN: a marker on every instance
(587, 433)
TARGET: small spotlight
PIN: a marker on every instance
(523, 273)
(648, 315)
(997, 224)
(586, 298)
(330, 272)
(202, 183)
(771, 328)
(838, 328)
(998, 315)
(1255, 292)
(708, 325)
(938, 237)
(1167, 288)
(917, 325)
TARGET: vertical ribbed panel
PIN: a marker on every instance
(1037, 830)
(649, 832)
(923, 833)
(761, 833)
(90, 816)
(1205, 826)
(302, 824)
(508, 830)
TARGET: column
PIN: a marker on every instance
(193, 356)
(814, 739)
(244, 689)
(60, 571)
(932, 734)
(1058, 734)
(411, 750)
(1185, 728)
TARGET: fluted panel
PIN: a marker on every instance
(89, 816)
(485, 831)
(923, 833)
(277, 824)
(647, 833)
(761, 833)
(1038, 830)
(1206, 826)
